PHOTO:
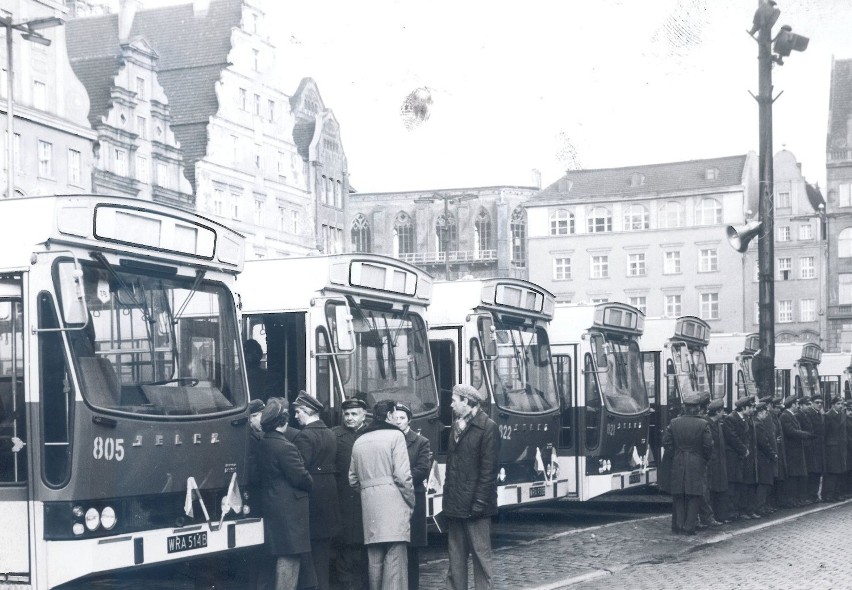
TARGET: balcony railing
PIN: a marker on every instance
(454, 256)
(840, 155)
(840, 311)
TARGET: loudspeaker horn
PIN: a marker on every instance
(740, 237)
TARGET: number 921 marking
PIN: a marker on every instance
(109, 449)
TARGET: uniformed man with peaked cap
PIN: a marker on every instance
(794, 447)
(835, 449)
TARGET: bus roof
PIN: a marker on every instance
(270, 285)
(835, 363)
(119, 224)
(689, 329)
(724, 348)
(571, 321)
(789, 353)
(454, 299)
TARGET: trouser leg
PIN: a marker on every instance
(457, 550)
(691, 513)
(395, 568)
(479, 538)
(376, 564)
(286, 572)
(679, 511)
(413, 568)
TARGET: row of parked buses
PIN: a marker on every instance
(124, 389)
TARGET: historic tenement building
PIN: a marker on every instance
(51, 136)
(652, 236)
(257, 159)
(838, 209)
(478, 232)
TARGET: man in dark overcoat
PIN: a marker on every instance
(285, 485)
(766, 455)
(794, 447)
(805, 423)
(737, 453)
(847, 488)
(349, 559)
(690, 443)
(318, 446)
(420, 460)
(835, 450)
(816, 460)
(717, 472)
(706, 514)
(470, 489)
(781, 465)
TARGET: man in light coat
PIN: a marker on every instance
(380, 471)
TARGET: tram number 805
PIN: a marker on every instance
(109, 449)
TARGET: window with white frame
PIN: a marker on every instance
(844, 291)
(807, 310)
(218, 201)
(39, 95)
(636, 265)
(844, 243)
(672, 306)
(670, 215)
(635, 218)
(338, 195)
(243, 99)
(783, 233)
(600, 266)
(236, 197)
(164, 179)
(708, 212)
(75, 167)
(599, 220)
(141, 127)
(709, 306)
(598, 300)
(258, 211)
(405, 236)
(785, 268)
(708, 260)
(140, 88)
(845, 194)
(671, 262)
(562, 269)
(783, 200)
(282, 219)
(807, 267)
(120, 161)
(806, 231)
(785, 311)
(45, 159)
(255, 57)
(257, 103)
(639, 302)
(143, 172)
(561, 223)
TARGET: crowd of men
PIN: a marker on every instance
(345, 507)
(764, 455)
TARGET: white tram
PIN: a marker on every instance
(835, 374)
(675, 369)
(492, 334)
(123, 416)
(604, 411)
(729, 357)
(797, 369)
(343, 326)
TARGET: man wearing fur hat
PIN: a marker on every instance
(470, 489)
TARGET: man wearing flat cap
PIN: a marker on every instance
(470, 489)
(738, 455)
(318, 447)
(816, 453)
(717, 472)
(835, 450)
(794, 438)
(766, 457)
(349, 560)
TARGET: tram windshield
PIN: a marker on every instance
(810, 378)
(619, 373)
(522, 373)
(390, 360)
(691, 371)
(748, 386)
(155, 345)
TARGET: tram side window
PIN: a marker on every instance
(477, 371)
(57, 398)
(564, 383)
(13, 424)
(594, 404)
(325, 379)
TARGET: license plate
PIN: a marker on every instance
(537, 492)
(634, 477)
(188, 542)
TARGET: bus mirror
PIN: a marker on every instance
(344, 333)
(488, 337)
(74, 310)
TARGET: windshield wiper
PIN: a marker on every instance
(100, 258)
(199, 275)
(391, 349)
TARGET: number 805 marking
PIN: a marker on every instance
(109, 449)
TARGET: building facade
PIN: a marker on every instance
(451, 233)
(652, 236)
(799, 260)
(52, 138)
(250, 151)
(838, 208)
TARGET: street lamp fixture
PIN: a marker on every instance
(29, 32)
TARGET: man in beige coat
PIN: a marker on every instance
(380, 471)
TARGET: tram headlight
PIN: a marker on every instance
(77, 511)
(246, 509)
(93, 519)
(108, 518)
(78, 528)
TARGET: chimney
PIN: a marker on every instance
(200, 7)
(536, 178)
(126, 13)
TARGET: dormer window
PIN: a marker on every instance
(711, 174)
(637, 179)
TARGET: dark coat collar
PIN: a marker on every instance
(380, 425)
(315, 424)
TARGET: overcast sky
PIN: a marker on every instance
(553, 84)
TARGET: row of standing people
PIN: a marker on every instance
(348, 505)
(766, 454)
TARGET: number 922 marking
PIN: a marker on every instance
(108, 449)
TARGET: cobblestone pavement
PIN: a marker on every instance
(791, 549)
